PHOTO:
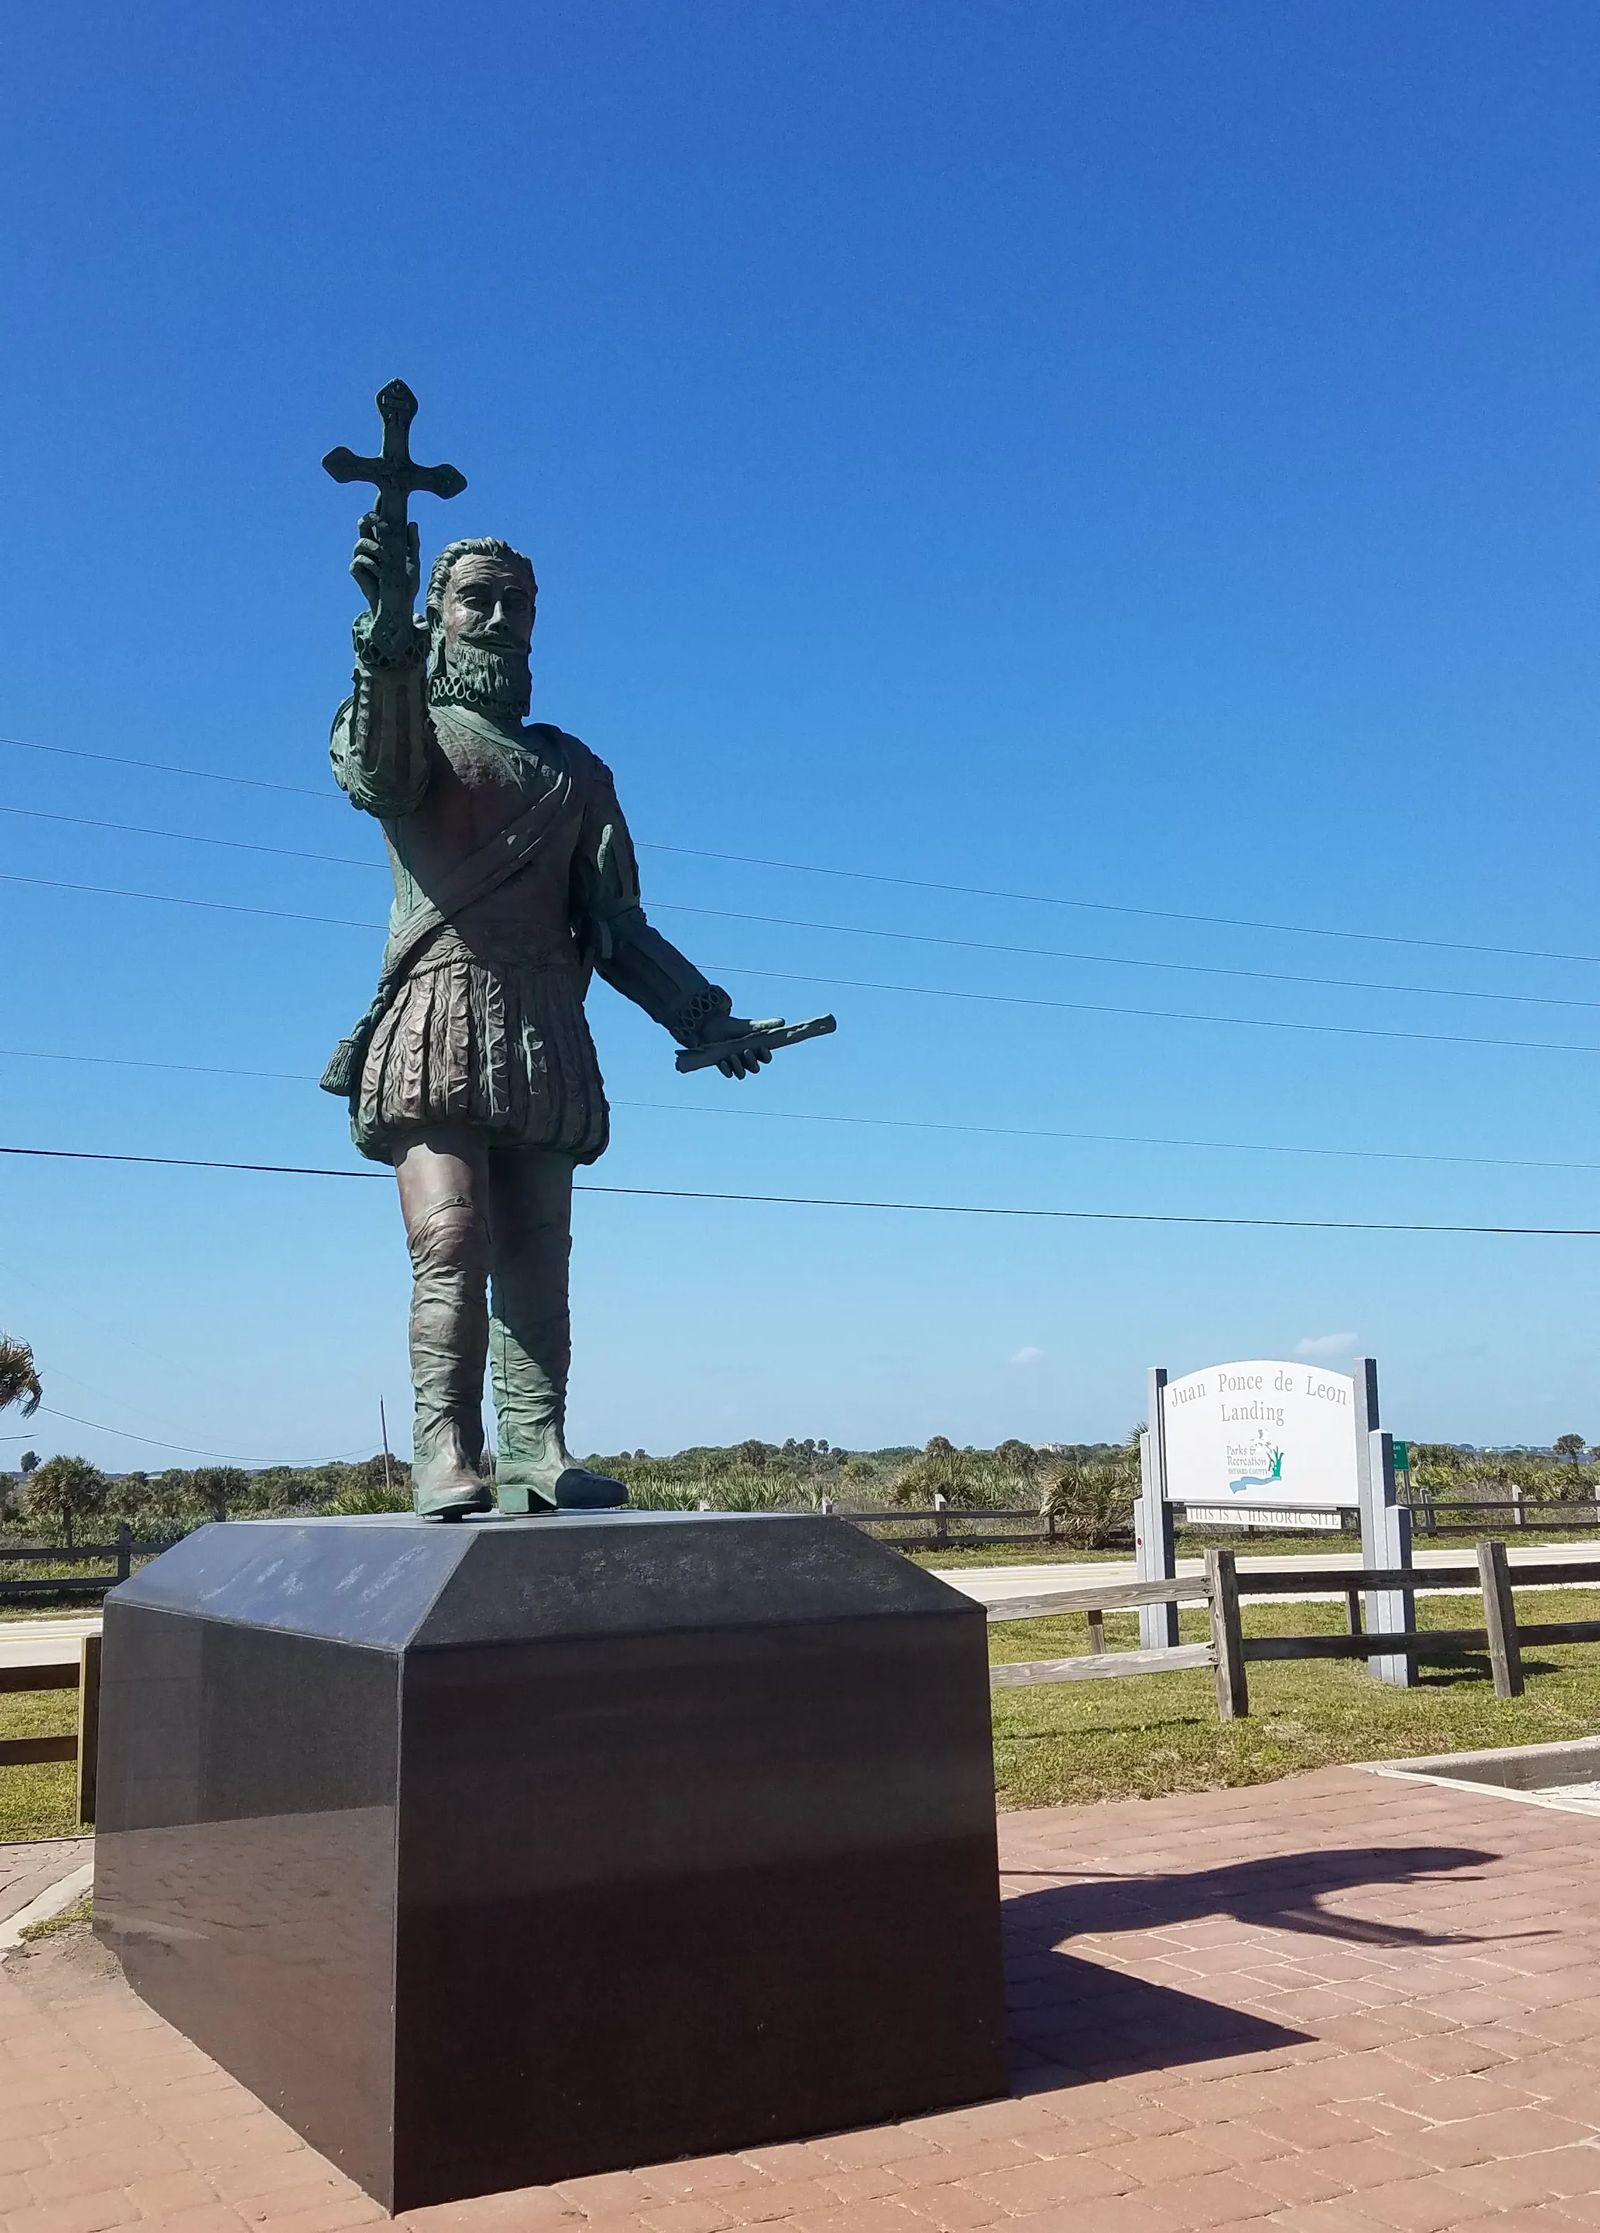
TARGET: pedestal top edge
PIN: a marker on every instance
(542, 1523)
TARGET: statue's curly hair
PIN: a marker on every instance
(473, 546)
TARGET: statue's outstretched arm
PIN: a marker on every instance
(627, 949)
(382, 744)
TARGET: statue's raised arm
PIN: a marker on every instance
(382, 733)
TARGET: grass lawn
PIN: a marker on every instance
(1067, 1743)
(76, 1917)
(40, 1802)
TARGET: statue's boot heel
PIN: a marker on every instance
(445, 1486)
(453, 1504)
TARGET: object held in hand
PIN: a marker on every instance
(396, 477)
(764, 1038)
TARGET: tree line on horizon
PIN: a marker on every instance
(1088, 1488)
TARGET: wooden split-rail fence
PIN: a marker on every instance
(1228, 1652)
(115, 1561)
(81, 1745)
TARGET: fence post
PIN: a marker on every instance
(88, 1725)
(1097, 1632)
(826, 1505)
(1352, 1612)
(1154, 1556)
(1227, 1637)
(124, 1551)
(1500, 1620)
(941, 1526)
(1519, 1497)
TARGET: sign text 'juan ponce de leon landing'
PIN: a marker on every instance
(1258, 1435)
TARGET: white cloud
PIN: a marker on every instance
(1028, 1356)
(1326, 1345)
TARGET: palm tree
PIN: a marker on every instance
(19, 1376)
(63, 1490)
(1571, 1446)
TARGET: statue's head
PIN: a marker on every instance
(481, 597)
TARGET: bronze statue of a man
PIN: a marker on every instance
(473, 1072)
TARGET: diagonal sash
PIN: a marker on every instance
(481, 873)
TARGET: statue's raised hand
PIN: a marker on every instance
(387, 564)
(739, 1062)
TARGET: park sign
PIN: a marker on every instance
(1261, 1436)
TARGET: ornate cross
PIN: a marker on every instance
(392, 472)
(395, 476)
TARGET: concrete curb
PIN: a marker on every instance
(53, 1900)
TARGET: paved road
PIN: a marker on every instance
(44, 1643)
(997, 1585)
(38, 1643)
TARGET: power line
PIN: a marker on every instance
(186, 1449)
(1111, 907)
(162, 767)
(1109, 1139)
(192, 837)
(192, 1163)
(873, 876)
(1127, 961)
(174, 899)
(859, 930)
(140, 1062)
(844, 1202)
(896, 1124)
(867, 984)
(1158, 1015)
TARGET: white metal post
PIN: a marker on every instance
(1390, 1609)
(1154, 1556)
(1385, 1525)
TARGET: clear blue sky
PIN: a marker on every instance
(1147, 454)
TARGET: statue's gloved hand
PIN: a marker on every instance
(385, 559)
(742, 1062)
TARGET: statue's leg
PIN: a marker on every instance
(443, 1177)
(530, 1341)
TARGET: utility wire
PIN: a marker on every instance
(186, 1449)
(859, 930)
(140, 1062)
(867, 984)
(173, 899)
(328, 796)
(872, 876)
(1110, 907)
(844, 1202)
(1127, 961)
(194, 837)
(895, 1124)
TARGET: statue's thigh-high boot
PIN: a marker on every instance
(530, 1340)
(449, 1337)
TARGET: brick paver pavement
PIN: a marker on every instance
(1342, 2004)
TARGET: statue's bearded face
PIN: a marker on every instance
(483, 630)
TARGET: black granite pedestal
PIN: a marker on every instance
(496, 1853)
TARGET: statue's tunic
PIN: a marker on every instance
(486, 1027)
